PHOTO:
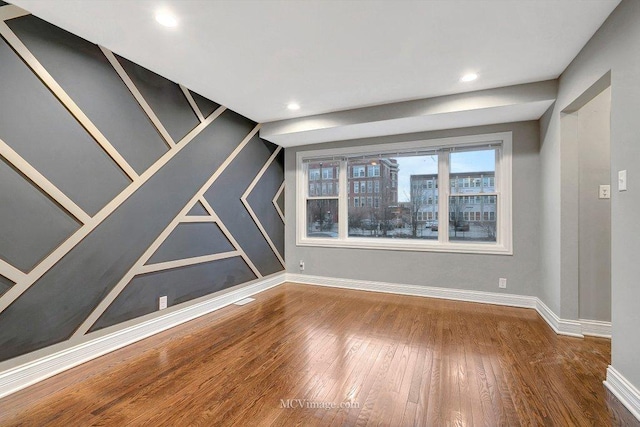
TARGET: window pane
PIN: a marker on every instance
(322, 218)
(394, 197)
(323, 178)
(472, 218)
(472, 172)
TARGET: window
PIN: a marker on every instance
(321, 202)
(404, 211)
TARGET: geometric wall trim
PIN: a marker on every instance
(278, 202)
(226, 195)
(118, 186)
(165, 98)
(258, 199)
(29, 114)
(97, 90)
(31, 224)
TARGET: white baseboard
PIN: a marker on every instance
(623, 390)
(596, 328)
(560, 326)
(571, 328)
(30, 373)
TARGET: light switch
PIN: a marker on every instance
(622, 180)
(605, 192)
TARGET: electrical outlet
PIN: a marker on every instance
(162, 302)
(605, 192)
(301, 265)
(502, 283)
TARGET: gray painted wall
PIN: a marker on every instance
(36, 125)
(480, 272)
(613, 48)
(594, 214)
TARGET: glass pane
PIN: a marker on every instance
(472, 172)
(323, 178)
(472, 218)
(393, 197)
(322, 218)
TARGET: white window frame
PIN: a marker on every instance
(503, 176)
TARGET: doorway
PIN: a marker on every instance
(594, 213)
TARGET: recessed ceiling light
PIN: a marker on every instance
(293, 106)
(166, 19)
(469, 77)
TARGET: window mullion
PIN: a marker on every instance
(343, 201)
(443, 196)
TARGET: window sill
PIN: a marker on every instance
(416, 246)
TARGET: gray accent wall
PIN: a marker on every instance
(447, 270)
(141, 295)
(198, 210)
(190, 240)
(39, 128)
(5, 284)
(613, 48)
(205, 105)
(224, 196)
(165, 99)
(261, 198)
(31, 224)
(88, 77)
(44, 314)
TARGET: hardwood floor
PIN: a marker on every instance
(280, 360)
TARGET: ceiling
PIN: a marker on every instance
(256, 56)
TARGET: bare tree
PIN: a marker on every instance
(417, 200)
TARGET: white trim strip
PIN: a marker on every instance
(275, 202)
(10, 272)
(253, 214)
(229, 236)
(30, 373)
(43, 183)
(192, 103)
(626, 392)
(137, 267)
(11, 11)
(198, 219)
(20, 287)
(571, 328)
(151, 268)
(65, 99)
(138, 96)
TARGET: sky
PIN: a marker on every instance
(464, 161)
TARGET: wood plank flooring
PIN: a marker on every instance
(288, 357)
